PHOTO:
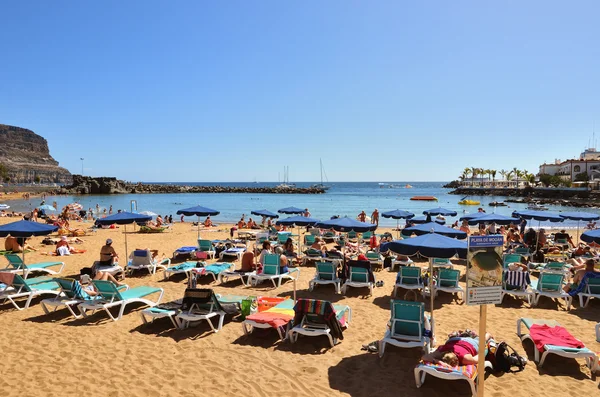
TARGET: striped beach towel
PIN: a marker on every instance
(516, 279)
(469, 371)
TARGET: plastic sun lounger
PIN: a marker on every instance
(214, 270)
(71, 295)
(326, 273)
(271, 271)
(186, 250)
(30, 288)
(448, 282)
(551, 285)
(16, 265)
(358, 278)
(283, 312)
(185, 267)
(142, 260)
(243, 276)
(112, 297)
(464, 372)
(592, 290)
(407, 327)
(409, 278)
(518, 291)
(408, 262)
(591, 358)
(313, 325)
(236, 251)
(206, 246)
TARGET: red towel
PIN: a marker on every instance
(6, 278)
(558, 336)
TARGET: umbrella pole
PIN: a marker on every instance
(125, 242)
(198, 228)
(431, 294)
(398, 227)
(578, 232)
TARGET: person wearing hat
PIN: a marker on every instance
(108, 255)
(62, 247)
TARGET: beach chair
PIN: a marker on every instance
(326, 273)
(16, 265)
(71, 295)
(277, 317)
(206, 246)
(551, 286)
(359, 278)
(447, 281)
(282, 237)
(590, 357)
(409, 278)
(244, 276)
(29, 288)
(112, 297)
(375, 259)
(463, 372)
(200, 305)
(592, 290)
(214, 270)
(400, 264)
(186, 250)
(316, 320)
(309, 240)
(352, 235)
(510, 258)
(555, 267)
(517, 283)
(442, 262)
(272, 271)
(236, 252)
(365, 237)
(523, 251)
(142, 260)
(406, 328)
(185, 267)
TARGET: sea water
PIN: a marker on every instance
(343, 199)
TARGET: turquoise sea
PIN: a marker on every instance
(343, 198)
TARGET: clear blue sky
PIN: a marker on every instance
(232, 91)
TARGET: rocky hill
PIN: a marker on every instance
(26, 157)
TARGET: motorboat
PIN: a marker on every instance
(537, 207)
(498, 204)
(424, 198)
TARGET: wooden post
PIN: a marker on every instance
(481, 351)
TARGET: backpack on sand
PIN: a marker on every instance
(504, 361)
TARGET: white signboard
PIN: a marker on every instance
(484, 270)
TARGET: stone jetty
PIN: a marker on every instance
(108, 185)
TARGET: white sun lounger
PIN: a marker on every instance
(29, 288)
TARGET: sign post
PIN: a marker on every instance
(484, 287)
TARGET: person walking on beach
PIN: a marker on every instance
(375, 217)
(362, 216)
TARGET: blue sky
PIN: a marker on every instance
(232, 91)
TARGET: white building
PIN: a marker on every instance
(589, 162)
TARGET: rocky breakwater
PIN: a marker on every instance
(26, 158)
(107, 185)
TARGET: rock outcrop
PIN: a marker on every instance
(107, 185)
(27, 158)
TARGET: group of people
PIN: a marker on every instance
(362, 217)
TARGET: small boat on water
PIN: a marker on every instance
(408, 186)
(537, 207)
(498, 204)
(469, 202)
(424, 198)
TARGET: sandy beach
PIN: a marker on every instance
(45, 355)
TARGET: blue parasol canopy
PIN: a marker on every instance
(539, 215)
(591, 236)
(123, 218)
(46, 207)
(490, 218)
(430, 245)
(298, 221)
(580, 216)
(397, 214)
(440, 211)
(265, 213)
(432, 227)
(346, 225)
(291, 210)
(424, 219)
(26, 229)
(198, 211)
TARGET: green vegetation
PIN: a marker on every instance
(582, 177)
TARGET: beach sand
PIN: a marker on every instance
(45, 355)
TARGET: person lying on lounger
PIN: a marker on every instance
(89, 288)
(456, 351)
(580, 272)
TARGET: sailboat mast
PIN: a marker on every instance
(321, 163)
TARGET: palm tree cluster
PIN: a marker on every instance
(507, 175)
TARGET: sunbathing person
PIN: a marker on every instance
(563, 235)
(319, 245)
(208, 222)
(108, 255)
(580, 273)
(17, 245)
(241, 224)
(89, 288)
(283, 261)
(159, 221)
(456, 351)
(252, 224)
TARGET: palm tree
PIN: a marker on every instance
(474, 173)
(530, 178)
(517, 173)
(503, 173)
(493, 174)
(465, 174)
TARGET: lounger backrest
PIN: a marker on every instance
(309, 239)
(141, 258)
(511, 258)
(441, 261)
(449, 278)
(15, 261)
(550, 282)
(409, 275)
(66, 286)
(373, 256)
(366, 235)
(351, 234)
(593, 286)
(271, 264)
(329, 234)
(282, 238)
(522, 251)
(107, 290)
(562, 241)
(555, 266)
(326, 270)
(198, 299)
(407, 319)
(359, 274)
(313, 310)
(205, 245)
(20, 285)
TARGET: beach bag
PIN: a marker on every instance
(506, 359)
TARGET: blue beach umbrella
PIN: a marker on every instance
(26, 229)
(580, 216)
(298, 221)
(198, 211)
(490, 218)
(432, 227)
(539, 216)
(291, 210)
(440, 211)
(124, 218)
(591, 236)
(398, 214)
(265, 213)
(417, 220)
(347, 225)
(431, 246)
(46, 207)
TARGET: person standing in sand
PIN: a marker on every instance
(375, 217)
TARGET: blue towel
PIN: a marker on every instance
(216, 268)
(583, 283)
